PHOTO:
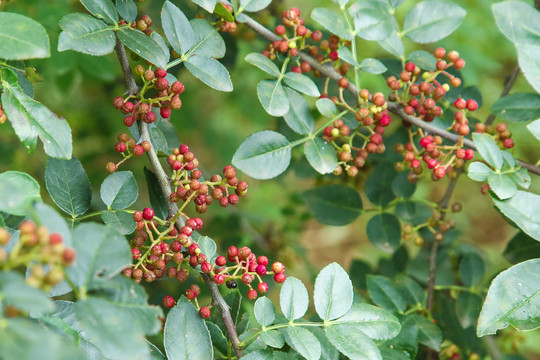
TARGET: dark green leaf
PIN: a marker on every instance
(273, 97)
(321, 155)
(120, 220)
(429, 334)
(402, 187)
(102, 9)
(17, 192)
(522, 209)
(101, 253)
(518, 107)
(68, 185)
(384, 231)
(208, 246)
(210, 71)
(222, 11)
(22, 38)
(411, 290)
(489, 150)
(144, 46)
(430, 21)
(301, 83)
(177, 28)
(85, 34)
(467, 308)
(119, 190)
(31, 119)
(385, 294)
(522, 247)
(332, 22)
(502, 185)
(156, 196)
(513, 299)
(264, 311)
(263, 63)
(375, 322)
(334, 204)
(299, 117)
(263, 155)
(304, 342)
(127, 9)
(379, 183)
(208, 42)
(407, 339)
(352, 342)
(186, 335)
(293, 299)
(218, 339)
(333, 292)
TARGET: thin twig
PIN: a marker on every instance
(397, 109)
(508, 84)
(217, 299)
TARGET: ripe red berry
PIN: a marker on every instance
(221, 260)
(262, 260)
(165, 112)
(459, 64)
(301, 31)
(68, 256)
(204, 312)
(469, 154)
(148, 214)
(168, 301)
(296, 69)
(280, 278)
(278, 267)
(219, 279)
(460, 104)
(118, 102)
(472, 105)
(343, 83)
(333, 56)
(160, 73)
(138, 150)
(439, 53)
(127, 107)
(508, 143)
(280, 30)
(120, 147)
(252, 294)
(262, 287)
(111, 167)
(135, 254)
(316, 35)
(261, 270)
(410, 66)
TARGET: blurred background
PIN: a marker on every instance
(272, 218)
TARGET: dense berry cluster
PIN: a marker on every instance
(225, 26)
(437, 224)
(500, 133)
(189, 184)
(127, 147)
(143, 24)
(44, 254)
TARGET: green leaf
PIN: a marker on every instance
(379, 182)
(263, 63)
(534, 128)
(253, 5)
(222, 11)
(273, 97)
(489, 150)
(208, 246)
(177, 28)
(518, 107)
(53, 221)
(264, 311)
(431, 21)
(186, 335)
(208, 42)
(518, 21)
(410, 290)
(384, 231)
(22, 38)
(17, 293)
(293, 299)
(471, 269)
(263, 155)
(429, 334)
(326, 107)
(372, 20)
(375, 322)
(304, 342)
(119, 190)
(333, 292)
(352, 342)
(68, 185)
(522, 209)
(157, 201)
(120, 220)
(522, 247)
(321, 155)
(273, 338)
(402, 187)
(301, 83)
(299, 116)
(423, 59)
(18, 191)
(218, 339)
(394, 44)
(127, 9)
(512, 299)
(333, 204)
(144, 46)
(102, 9)
(385, 294)
(328, 351)
(468, 307)
(346, 55)
(373, 66)
(210, 71)
(208, 5)
(502, 185)
(101, 253)
(407, 339)
(85, 34)
(528, 62)
(31, 119)
(521, 177)
(332, 22)
(479, 171)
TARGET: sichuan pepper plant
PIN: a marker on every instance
(76, 284)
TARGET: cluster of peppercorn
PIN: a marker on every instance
(44, 254)
(224, 25)
(189, 185)
(143, 24)
(437, 224)
(127, 147)
(452, 352)
(500, 133)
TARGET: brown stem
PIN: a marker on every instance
(397, 109)
(217, 299)
(508, 84)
